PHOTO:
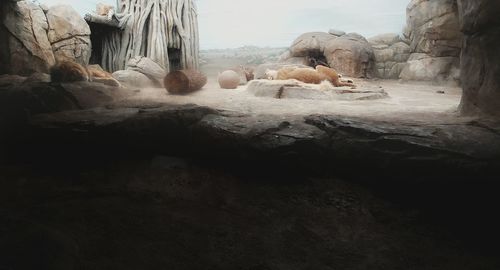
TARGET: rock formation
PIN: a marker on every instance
(69, 35)
(34, 38)
(391, 54)
(480, 60)
(349, 54)
(435, 41)
(25, 47)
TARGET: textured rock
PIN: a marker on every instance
(11, 80)
(422, 67)
(337, 33)
(390, 55)
(69, 34)
(147, 67)
(480, 59)
(131, 78)
(352, 55)
(310, 44)
(433, 29)
(39, 97)
(292, 89)
(385, 39)
(25, 47)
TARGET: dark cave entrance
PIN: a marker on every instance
(174, 59)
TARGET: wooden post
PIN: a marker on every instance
(184, 81)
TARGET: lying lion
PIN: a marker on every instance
(309, 75)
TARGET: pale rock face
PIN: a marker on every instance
(25, 48)
(69, 34)
(147, 67)
(351, 55)
(312, 42)
(336, 32)
(433, 29)
(391, 54)
(480, 59)
(131, 78)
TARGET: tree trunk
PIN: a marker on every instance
(184, 81)
(150, 28)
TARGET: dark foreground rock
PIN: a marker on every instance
(186, 187)
(317, 143)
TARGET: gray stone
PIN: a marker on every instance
(434, 27)
(385, 39)
(292, 89)
(147, 67)
(337, 33)
(131, 78)
(422, 67)
(480, 58)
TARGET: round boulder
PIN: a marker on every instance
(351, 55)
(229, 79)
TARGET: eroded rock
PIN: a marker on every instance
(69, 34)
(351, 55)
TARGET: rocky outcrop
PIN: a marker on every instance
(141, 72)
(351, 55)
(480, 59)
(34, 38)
(69, 35)
(25, 47)
(391, 54)
(433, 29)
(310, 44)
(293, 89)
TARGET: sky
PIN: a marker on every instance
(276, 23)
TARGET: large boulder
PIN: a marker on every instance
(480, 58)
(24, 45)
(132, 78)
(310, 44)
(391, 54)
(422, 67)
(433, 29)
(351, 55)
(148, 67)
(69, 34)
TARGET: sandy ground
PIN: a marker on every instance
(406, 101)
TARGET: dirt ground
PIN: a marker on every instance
(413, 101)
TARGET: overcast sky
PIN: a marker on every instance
(276, 23)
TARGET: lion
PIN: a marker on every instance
(309, 75)
(69, 71)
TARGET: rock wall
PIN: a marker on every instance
(480, 58)
(391, 54)
(434, 36)
(25, 46)
(69, 34)
(33, 38)
(350, 54)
